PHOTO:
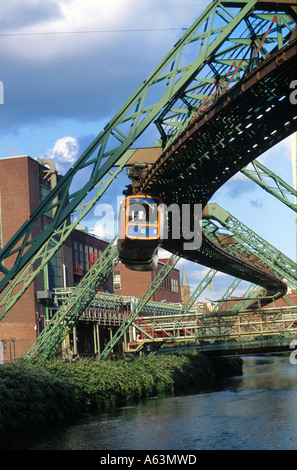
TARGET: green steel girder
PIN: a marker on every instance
(104, 299)
(173, 93)
(109, 301)
(243, 50)
(229, 291)
(272, 183)
(160, 308)
(279, 263)
(140, 304)
(58, 328)
(198, 291)
(241, 252)
(251, 293)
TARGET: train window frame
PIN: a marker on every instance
(128, 223)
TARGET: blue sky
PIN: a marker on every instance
(61, 87)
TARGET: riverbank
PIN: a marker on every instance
(57, 391)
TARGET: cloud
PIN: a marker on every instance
(256, 203)
(73, 71)
(64, 152)
(238, 185)
(33, 13)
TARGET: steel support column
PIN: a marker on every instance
(140, 304)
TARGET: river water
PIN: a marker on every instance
(254, 411)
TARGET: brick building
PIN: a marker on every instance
(134, 283)
(24, 182)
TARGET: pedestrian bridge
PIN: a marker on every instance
(227, 332)
(164, 327)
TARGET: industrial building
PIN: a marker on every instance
(24, 183)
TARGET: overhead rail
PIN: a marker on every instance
(223, 49)
(238, 234)
(234, 130)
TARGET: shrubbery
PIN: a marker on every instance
(55, 390)
(30, 396)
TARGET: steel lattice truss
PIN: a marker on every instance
(226, 42)
(69, 313)
(140, 305)
(228, 231)
(236, 330)
(271, 183)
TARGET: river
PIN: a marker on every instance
(254, 411)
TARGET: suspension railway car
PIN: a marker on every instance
(140, 228)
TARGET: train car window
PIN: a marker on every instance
(145, 211)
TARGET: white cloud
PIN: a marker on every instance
(95, 19)
(64, 151)
(87, 74)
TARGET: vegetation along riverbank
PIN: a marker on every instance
(56, 391)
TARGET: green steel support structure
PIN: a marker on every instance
(252, 292)
(276, 186)
(225, 42)
(199, 289)
(81, 297)
(272, 183)
(281, 190)
(140, 304)
(49, 340)
(229, 291)
(248, 240)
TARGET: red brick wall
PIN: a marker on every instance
(135, 283)
(18, 328)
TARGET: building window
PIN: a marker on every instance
(54, 266)
(76, 253)
(44, 191)
(81, 255)
(166, 284)
(87, 263)
(174, 285)
(116, 280)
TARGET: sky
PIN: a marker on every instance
(67, 66)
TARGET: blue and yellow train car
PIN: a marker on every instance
(140, 227)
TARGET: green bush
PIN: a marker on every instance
(31, 396)
(55, 390)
